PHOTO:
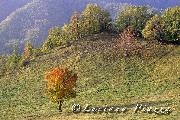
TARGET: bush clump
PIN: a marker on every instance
(134, 16)
(165, 28)
(27, 54)
(128, 43)
(13, 60)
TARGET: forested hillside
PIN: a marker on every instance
(160, 4)
(31, 19)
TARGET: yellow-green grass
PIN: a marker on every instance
(105, 77)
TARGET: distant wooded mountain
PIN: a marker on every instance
(8, 6)
(160, 4)
(24, 20)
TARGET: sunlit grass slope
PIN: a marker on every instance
(105, 77)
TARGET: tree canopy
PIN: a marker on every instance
(165, 27)
(133, 16)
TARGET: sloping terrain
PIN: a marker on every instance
(32, 21)
(25, 20)
(105, 77)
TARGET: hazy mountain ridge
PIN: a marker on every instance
(32, 21)
(160, 4)
(8, 6)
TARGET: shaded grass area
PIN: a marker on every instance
(105, 78)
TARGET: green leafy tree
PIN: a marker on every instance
(165, 27)
(171, 20)
(53, 39)
(13, 59)
(133, 16)
(93, 20)
(105, 20)
(154, 28)
(67, 34)
(59, 36)
(89, 19)
(74, 26)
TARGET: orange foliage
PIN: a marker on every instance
(61, 81)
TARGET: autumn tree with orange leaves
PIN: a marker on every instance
(60, 84)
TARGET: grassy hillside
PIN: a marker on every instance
(105, 77)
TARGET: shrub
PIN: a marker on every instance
(2, 65)
(13, 59)
(128, 43)
(37, 52)
(28, 51)
(60, 84)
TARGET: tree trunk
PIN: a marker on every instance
(60, 105)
